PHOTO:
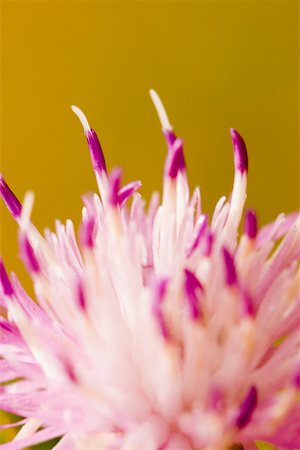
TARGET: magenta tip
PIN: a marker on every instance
(230, 272)
(11, 201)
(247, 407)
(192, 285)
(250, 226)
(296, 378)
(96, 152)
(114, 186)
(240, 151)
(159, 295)
(81, 296)
(28, 255)
(86, 232)
(126, 191)
(5, 281)
(170, 137)
(176, 159)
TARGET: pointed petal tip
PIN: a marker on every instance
(27, 254)
(247, 407)
(176, 162)
(160, 289)
(230, 272)
(296, 379)
(81, 116)
(114, 185)
(5, 281)
(9, 198)
(240, 151)
(250, 226)
(96, 152)
(81, 297)
(126, 191)
(86, 233)
(192, 285)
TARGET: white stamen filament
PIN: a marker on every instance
(28, 429)
(162, 115)
(81, 117)
(26, 210)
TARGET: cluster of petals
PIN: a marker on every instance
(153, 328)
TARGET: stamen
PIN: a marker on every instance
(81, 117)
(161, 112)
(209, 244)
(192, 285)
(296, 379)
(230, 272)
(27, 209)
(114, 186)
(96, 152)
(159, 294)
(86, 232)
(170, 138)
(176, 162)
(247, 407)
(240, 151)
(164, 120)
(11, 201)
(247, 304)
(30, 427)
(250, 224)
(70, 371)
(126, 191)
(27, 254)
(202, 227)
(5, 281)
(81, 296)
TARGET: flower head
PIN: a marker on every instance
(158, 329)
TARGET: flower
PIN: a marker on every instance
(160, 330)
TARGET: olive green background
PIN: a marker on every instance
(216, 64)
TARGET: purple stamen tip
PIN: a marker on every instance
(81, 297)
(170, 137)
(96, 151)
(86, 232)
(177, 162)
(251, 224)
(192, 285)
(230, 272)
(28, 255)
(247, 407)
(296, 379)
(240, 151)
(114, 186)
(11, 201)
(127, 191)
(209, 244)
(161, 289)
(5, 282)
(159, 294)
(199, 235)
(70, 371)
(248, 308)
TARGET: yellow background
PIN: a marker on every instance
(216, 64)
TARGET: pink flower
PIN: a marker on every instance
(161, 329)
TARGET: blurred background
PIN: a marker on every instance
(216, 64)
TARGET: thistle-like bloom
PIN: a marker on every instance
(160, 329)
